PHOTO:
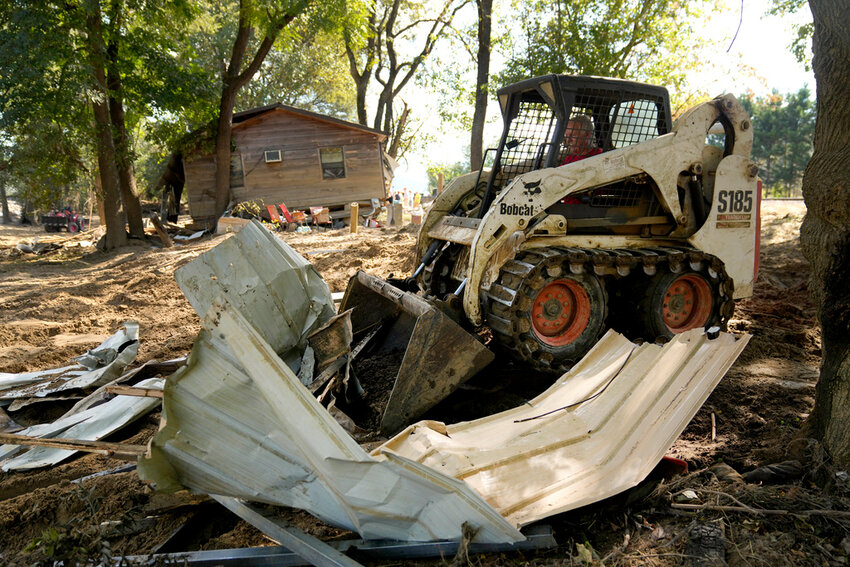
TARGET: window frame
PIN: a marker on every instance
(325, 167)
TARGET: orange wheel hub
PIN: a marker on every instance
(687, 303)
(560, 312)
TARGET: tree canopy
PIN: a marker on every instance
(783, 146)
(648, 40)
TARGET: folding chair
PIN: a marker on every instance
(321, 215)
(285, 212)
(275, 217)
(371, 216)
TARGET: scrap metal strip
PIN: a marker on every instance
(310, 548)
(538, 537)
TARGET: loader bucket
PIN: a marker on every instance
(438, 354)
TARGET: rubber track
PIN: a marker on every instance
(506, 304)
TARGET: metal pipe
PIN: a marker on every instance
(460, 287)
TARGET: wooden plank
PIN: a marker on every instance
(160, 230)
(116, 450)
(137, 392)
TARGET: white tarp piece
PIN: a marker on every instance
(599, 430)
(92, 424)
(238, 422)
(94, 368)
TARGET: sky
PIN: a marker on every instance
(761, 44)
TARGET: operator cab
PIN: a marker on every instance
(538, 112)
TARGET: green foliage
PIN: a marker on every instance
(648, 40)
(784, 128)
(308, 71)
(249, 209)
(449, 171)
(49, 85)
(801, 46)
(80, 541)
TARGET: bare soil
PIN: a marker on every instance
(56, 305)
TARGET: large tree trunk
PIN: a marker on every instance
(115, 234)
(825, 234)
(222, 151)
(124, 158)
(233, 80)
(476, 144)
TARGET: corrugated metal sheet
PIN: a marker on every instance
(599, 430)
(238, 422)
(277, 290)
(92, 424)
(95, 368)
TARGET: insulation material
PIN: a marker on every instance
(94, 368)
(92, 424)
(599, 430)
(238, 422)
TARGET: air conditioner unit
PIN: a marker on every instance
(273, 156)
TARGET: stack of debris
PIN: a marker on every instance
(266, 410)
(599, 430)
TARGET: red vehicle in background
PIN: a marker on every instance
(65, 219)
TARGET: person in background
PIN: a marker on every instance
(578, 139)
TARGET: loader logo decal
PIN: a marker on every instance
(532, 188)
(516, 210)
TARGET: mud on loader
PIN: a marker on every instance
(654, 231)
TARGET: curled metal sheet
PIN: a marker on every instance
(599, 430)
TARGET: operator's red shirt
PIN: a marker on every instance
(573, 157)
(570, 200)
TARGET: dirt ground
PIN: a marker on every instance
(56, 305)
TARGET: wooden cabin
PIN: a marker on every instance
(288, 155)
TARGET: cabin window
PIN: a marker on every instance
(333, 163)
(237, 175)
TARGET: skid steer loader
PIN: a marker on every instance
(652, 231)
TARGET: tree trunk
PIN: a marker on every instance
(116, 235)
(825, 234)
(124, 158)
(476, 144)
(4, 202)
(233, 80)
(222, 150)
(400, 126)
(382, 62)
